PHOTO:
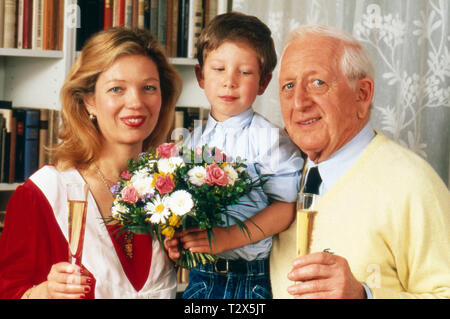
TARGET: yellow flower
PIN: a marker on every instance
(175, 221)
(168, 231)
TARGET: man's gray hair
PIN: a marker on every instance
(355, 60)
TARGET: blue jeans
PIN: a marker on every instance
(252, 281)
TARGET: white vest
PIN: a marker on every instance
(99, 254)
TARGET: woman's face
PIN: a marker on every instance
(127, 100)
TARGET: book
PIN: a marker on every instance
(183, 25)
(120, 12)
(9, 31)
(162, 22)
(2, 21)
(12, 151)
(141, 14)
(195, 26)
(27, 24)
(2, 148)
(134, 13)
(154, 18)
(147, 14)
(19, 23)
(128, 13)
(48, 25)
(53, 131)
(92, 13)
(43, 132)
(10, 141)
(59, 25)
(19, 115)
(31, 143)
(108, 14)
(5, 137)
(37, 25)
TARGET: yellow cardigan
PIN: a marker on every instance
(389, 216)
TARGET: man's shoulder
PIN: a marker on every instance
(400, 165)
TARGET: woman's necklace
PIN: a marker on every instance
(128, 245)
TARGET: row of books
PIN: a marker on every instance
(25, 134)
(32, 24)
(175, 23)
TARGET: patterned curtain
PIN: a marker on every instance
(409, 43)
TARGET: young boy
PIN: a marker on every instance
(236, 58)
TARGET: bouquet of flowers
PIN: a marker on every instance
(173, 188)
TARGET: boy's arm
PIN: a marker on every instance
(270, 221)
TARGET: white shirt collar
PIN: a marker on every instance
(333, 168)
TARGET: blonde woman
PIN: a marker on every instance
(118, 99)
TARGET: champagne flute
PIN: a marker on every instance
(77, 208)
(306, 212)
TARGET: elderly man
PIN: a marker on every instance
(384, 214)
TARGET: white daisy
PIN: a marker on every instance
(180, 202)
(158, 209)
(197, 175)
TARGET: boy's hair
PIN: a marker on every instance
(236, 26)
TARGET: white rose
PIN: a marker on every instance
(143, 185)
(180, 202)
(168, 165)
(197, 175)
(119, 209)
(231, 174)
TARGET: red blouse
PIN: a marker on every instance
(31, 242)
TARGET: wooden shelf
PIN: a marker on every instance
(32, 53)
(183, 61)
(8, 187)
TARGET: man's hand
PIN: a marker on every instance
(323, 275)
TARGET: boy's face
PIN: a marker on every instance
(231, 79)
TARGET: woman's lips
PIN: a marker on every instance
(133, 121)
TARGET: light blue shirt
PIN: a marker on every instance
(269, 153)
(333, 168)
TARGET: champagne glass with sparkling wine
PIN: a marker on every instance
(77, 208)
(306, 212)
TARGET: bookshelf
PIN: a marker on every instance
(33, 78)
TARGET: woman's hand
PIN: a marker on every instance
(64, 281)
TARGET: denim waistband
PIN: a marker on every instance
(236, 266)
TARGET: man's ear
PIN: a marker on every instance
(199, 75)
(364, 95)
(264, 83)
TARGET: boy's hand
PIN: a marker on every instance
(196, 240)
(171, 246)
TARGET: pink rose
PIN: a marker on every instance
(164, 184)
(219, 156)
(129, 194)
(215, 175)
(126, 175)
(167, 150)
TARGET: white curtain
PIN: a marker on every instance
(409, 43)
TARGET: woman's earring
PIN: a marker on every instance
(92, 117)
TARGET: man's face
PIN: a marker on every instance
(319, 108)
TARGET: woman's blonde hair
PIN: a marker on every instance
(80, 137)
